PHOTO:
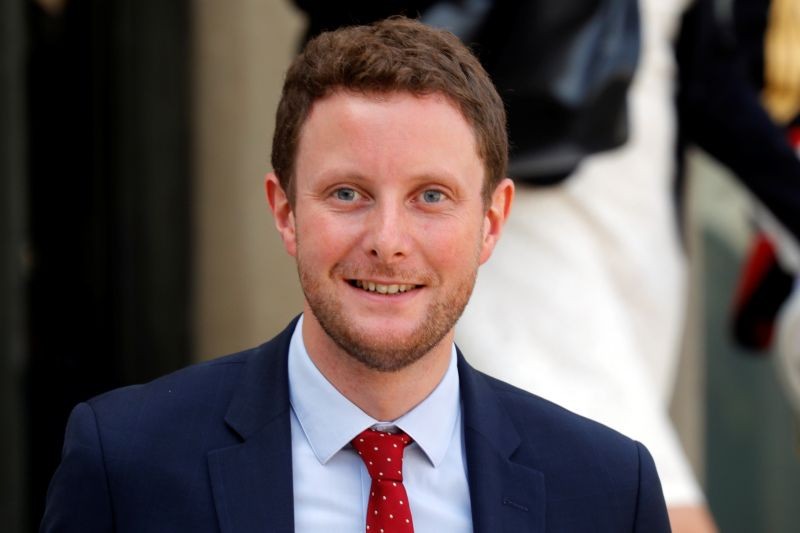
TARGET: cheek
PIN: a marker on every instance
(321, 239)
(453, 246)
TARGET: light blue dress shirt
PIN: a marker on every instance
(331, 483)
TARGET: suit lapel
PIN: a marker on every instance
(252, 481)
(505, 496)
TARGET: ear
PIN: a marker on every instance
(496, 216)
(281, 212)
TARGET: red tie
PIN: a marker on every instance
(382, 453)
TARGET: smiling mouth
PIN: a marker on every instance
(380, 288)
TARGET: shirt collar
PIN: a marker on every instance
(330, 421)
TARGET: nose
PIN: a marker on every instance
(388, 234)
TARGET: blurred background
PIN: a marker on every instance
(135, 239)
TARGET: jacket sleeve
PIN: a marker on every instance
(651, 510)
(78, 499)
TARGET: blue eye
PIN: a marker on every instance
(432, 196)
(346, 194)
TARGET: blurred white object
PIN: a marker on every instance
(787, 358)
(584, 297)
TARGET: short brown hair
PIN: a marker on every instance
(396, 54)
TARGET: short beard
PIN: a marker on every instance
(382, 353)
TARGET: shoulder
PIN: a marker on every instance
(544, 422)
(591, 471)
(174, 419)
(532, 413)
(190, 408)
(150, 443)
(201, 407)
(200, 392)
(175, 394)
(576, 454)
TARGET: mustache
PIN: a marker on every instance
(409, 276)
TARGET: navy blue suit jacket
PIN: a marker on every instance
(208, 449)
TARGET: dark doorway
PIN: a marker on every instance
(108, 208)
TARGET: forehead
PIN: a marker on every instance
(397, 108)
(382, 130)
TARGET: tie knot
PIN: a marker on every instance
(382, 453)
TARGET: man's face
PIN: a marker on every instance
(388, 226)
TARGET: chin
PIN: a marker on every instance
(386, 349)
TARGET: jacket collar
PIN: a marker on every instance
(252, 481)
(505, 496)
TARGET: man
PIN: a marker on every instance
(389, 191)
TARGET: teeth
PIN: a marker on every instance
(383, 289)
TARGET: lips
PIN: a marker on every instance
(382, 288)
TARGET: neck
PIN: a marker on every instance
(385, 396)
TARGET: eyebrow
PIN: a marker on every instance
(441, 176)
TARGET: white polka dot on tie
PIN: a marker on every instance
(391, 516)
(389, 459)
(384, 497)
(401, 502)
(376, 448)
(407, 521)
